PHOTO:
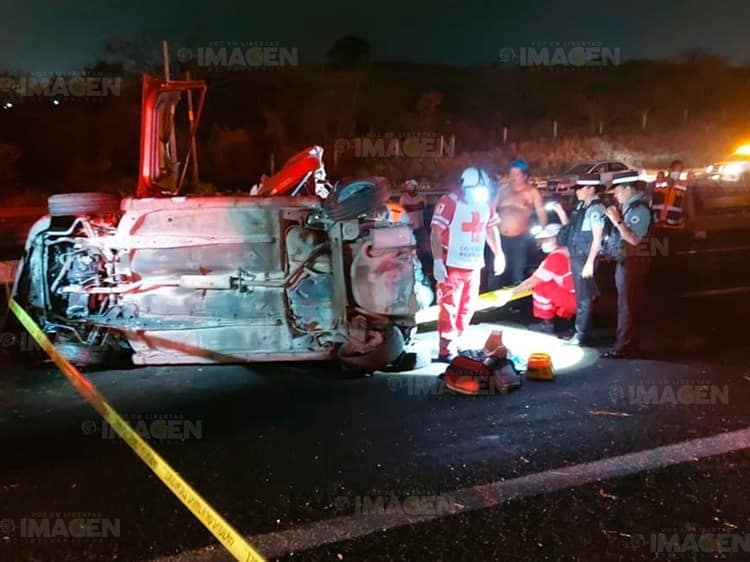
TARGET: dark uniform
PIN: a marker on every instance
(579, 243)
(633, 264)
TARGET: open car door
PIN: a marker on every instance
(160, 171)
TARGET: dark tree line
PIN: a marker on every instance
(251, 114)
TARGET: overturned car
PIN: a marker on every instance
(171, 279)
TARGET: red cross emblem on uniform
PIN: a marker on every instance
(475, 226)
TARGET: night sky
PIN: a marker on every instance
(47, 36)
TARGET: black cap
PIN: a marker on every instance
(585, 180)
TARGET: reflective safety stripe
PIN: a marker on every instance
(542, 303)
(440, 221)
(667, 203)
(485, 301)
(558, 279)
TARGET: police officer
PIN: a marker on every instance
(631, 221)
(584, 236)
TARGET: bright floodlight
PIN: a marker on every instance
(524, 342)
(478, 194)
(733, 169)
(518, 340)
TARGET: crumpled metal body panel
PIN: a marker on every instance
(222, 279)
(240, 238)
(383, 280)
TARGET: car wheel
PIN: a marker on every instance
(92, 356)
(354, 361)
(412, 358)
(74, 204)
(355, 199)
(17, 345)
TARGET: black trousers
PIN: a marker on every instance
(518, 251)
(630, 277)
(586, 292)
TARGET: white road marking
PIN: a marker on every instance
(701, 251)
(485, 496)
(717, 292)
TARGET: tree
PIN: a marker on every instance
(349, 52)
(137, 56)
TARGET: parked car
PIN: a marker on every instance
(736, 168)
(605, 169)
(172, 279)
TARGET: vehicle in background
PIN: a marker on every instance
(171, 279)
(606, 169)
(736, 168)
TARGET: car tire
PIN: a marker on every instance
(74, 204)
(17, 345)
(355, 199)
(92, 356)
(378, 358)
(412, 358)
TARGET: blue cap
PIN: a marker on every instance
(520, 164)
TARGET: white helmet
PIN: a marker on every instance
(474, 177)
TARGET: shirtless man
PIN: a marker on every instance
(517, 201)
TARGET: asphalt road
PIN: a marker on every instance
(299, 458)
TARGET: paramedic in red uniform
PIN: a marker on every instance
(551, 285)
(461, 225)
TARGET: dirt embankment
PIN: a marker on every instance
(697, 148)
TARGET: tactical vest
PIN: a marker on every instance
(668, 205)
(614, 247)
(579, 241)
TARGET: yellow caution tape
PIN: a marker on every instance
(485, 301)
(223, 531)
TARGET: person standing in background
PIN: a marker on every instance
(517, 202)
(659, 183)
(671, 200)
(413, 203)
